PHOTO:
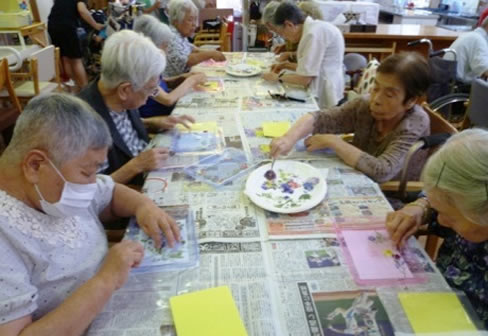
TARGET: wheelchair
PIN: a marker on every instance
(446, 95)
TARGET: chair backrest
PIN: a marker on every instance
(213, 13)
(46, 63)
(437, 123)
(366, 81)
(5, 82)
(478, 102)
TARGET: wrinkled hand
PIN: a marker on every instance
(285, 56)
(403, 223)
(270, 76)
(277, 67)
(197, 79)
(281, 146)
(319, 141)
(217, 56)
(279, 48)
(119, 261)
(151, 159)
(153, 220)
(168, 122)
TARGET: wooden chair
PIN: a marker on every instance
(8, 114)
(217, 39)
(378, 51)
(43, 67)
(400, 189)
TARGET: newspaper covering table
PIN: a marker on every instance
(273, 263)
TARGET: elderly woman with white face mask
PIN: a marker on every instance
(456, 184)
(56, 271)
(182, 55)
(171, 88)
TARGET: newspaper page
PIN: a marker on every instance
(141, 306)
(242, 267)
(319, 265)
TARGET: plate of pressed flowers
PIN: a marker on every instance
(291, 187)
(243, 70)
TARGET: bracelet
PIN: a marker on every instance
(424, 204)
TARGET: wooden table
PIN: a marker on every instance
(386, 34)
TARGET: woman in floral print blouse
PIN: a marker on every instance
(456, 184)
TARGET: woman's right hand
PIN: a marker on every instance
(281, 146)
(403, 223)
(198, 78)
(151, 159)
(217, 56)
(119, 261)
(279, 48)
(284, 56)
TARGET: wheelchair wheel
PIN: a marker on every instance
(452, 106)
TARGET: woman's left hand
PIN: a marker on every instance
(270, 76)
(171, 121)
(319, 141)
(154, 220)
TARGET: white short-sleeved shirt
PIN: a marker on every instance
(44, 259)
(320, 54)
(472, 54)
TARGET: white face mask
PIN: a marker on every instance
(75, 198)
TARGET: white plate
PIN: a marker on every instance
(243, 70)
(296, 188)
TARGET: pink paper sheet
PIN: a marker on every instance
(373, 258)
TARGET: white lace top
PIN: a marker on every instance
(44, 259)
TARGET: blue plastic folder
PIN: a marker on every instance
(209, 312)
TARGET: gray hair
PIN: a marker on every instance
(131, 57)
(269, 12)
(312, 9)
(177, 10)
(63, 125)
(459, 171)
(151, 27)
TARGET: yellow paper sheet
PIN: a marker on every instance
(265, 148)
(275, 129)
(210, 126)
(435, 312)
(209, 312)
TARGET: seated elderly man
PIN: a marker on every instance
(182, 55)
(131, 68)
(56, 271)
(320, 54)
(170, 89)
(472, 53)
(456, 208)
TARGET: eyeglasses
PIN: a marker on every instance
(152, 92)
(440, 174)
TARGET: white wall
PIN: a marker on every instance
(44, 7)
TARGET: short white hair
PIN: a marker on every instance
(131, 57)
(177, 10)
(151, 27)
(63, 125)
(269, 12)
(459, 172)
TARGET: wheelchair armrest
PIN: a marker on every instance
(434, 140)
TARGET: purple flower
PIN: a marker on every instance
(452, 272)
(308, 186)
